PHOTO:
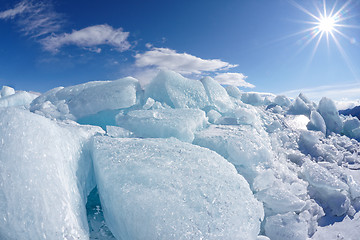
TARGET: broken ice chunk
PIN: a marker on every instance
(164, 123)
(167, 189)
(177, 91)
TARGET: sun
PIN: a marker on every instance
(329, 23)
(326, 24)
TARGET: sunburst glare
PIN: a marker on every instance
(327, 22)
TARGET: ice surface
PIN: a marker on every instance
(305, 99)
(164, 123)
(316, 123)
(241, 145)
(280, 200)
(217, 95)
(177, 91)
(213, 116)
(92, 97)
(348, 229)
(114, 131)
(19, 99)
(282, 101)
(6, 91)
(46, 173)
(233, 91)
(329, 189)
(299, 107)
(328, 111)
(167, 189)
(252, 98)
(286, 226)
(351, 128)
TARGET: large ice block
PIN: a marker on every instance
(167, 189)
(46, 173)
(328, 111)
(177, 91)
(92, 97)
(218, 96)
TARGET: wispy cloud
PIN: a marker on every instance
(184, 63)
(34, 18)
(89, 37)
(236, 79)
(18, 9)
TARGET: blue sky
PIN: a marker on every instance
(250, 43)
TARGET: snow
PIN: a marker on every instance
(348, 229)
(180, 159)
(180, 191)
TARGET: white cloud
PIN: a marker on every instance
(236, 79)
(165, 58)
(34, 18)
(89, 37)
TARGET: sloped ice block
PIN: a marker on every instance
(45, 176)
(177, 91)
(217, 94)
(92, 97)
(167, 189)
(330, 114)
(164, 123)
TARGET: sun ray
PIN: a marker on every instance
(307, 42)
(332, 9)
(315, 48)
(344, 55)
(303, 9)
(342, 8)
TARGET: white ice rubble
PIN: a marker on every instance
(179, 159)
